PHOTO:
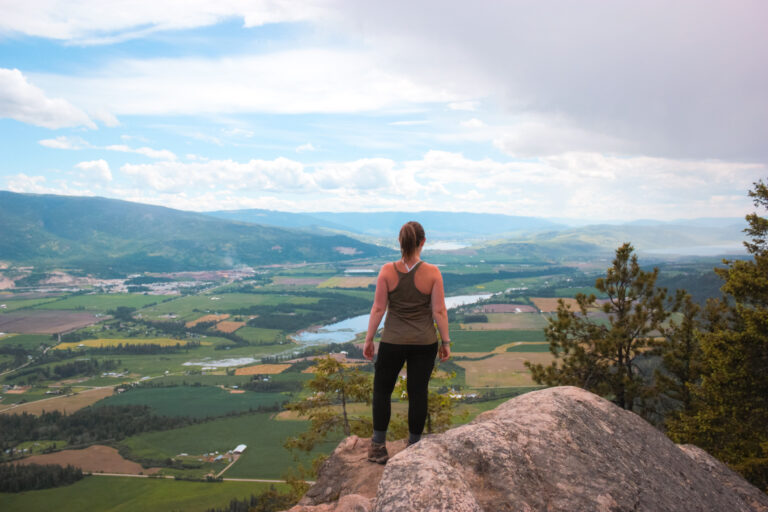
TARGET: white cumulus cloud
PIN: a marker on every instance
(464, 105)
(22, 101)
(473, 123)
(256, 175)
(306, 147)
(96, 169)
(65, 142)
(157, 154)
(312, 80)
(100, 22)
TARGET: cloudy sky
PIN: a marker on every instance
(568, 109)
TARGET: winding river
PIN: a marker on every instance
(347, 330)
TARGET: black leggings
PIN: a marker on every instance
(389, 362)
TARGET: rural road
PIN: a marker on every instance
(169, 477)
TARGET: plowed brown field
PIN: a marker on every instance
(229, 326)
(45, 322)
(94, 459)
(549, 304)
(207, 318)
(262, 369)
(66, 404)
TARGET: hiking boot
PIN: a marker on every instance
(377, 453)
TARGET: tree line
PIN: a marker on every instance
(86, 426)
(268, 501)
(65, 370)
(140, 348)
(700, 374)
(292, 317)
(31, 477)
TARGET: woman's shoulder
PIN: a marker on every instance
(387, 269)
(430, 268)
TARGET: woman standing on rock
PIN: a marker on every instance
(411, 292)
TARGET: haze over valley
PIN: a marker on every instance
(196, 199)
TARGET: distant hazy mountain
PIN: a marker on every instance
(443, 225)
(699, 236)
(520, 236)
(110, 236)
(279, 219)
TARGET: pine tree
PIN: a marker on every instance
(335, 386)
(729, 417)
(681, 360)
(606, 359)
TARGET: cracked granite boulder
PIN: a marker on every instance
(560, 449)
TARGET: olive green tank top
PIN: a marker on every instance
(409, 314)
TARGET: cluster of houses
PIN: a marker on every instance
(215, 456)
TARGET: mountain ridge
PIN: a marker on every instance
(110, 236)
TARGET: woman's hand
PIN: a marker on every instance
(444, 352)
(368, 350)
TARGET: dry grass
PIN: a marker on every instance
(262, 369)
(94, 459)
(66, 404)
(207, 318)
(229, 326)
(507, 369)
(549, 304)
(348, 282)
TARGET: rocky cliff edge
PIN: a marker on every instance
(559, 449)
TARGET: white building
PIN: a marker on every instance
(240, 449)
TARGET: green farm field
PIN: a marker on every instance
(265, 456)
(486, 341)
(226, 380)
(193, 401)
(260, 336)
(194, 306)
(201, 380)
(27, 341)
(14, 304)
(104, 302)
(529, 347)
(525, 321)
(158, 364)
(38, 447)
(124, 494)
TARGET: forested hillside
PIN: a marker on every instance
(107, 236)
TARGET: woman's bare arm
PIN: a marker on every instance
(380, 301)
(440, 314)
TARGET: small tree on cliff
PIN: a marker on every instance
(335, 386)
(604, 359)
(729, 417)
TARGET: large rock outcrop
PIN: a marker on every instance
(559, 449)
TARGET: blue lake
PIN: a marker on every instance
(347, 330)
